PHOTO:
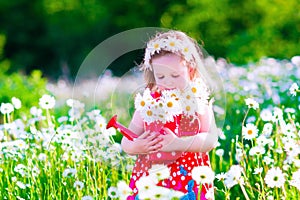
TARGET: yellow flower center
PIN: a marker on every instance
(173, 95)
(250, 132)
(143, 103)
(156, 46)
(172, 44)
(188, 96)
(194, 90)
(149, 113)
(170, 104)
(187, 108)
(186, 49)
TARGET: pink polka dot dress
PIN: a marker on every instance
(180, 164)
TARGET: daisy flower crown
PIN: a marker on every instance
(170, 44)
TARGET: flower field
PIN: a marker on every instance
(62, 150)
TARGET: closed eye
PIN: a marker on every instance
(160, 76)
(175, 75)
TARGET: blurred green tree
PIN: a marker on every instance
(55, 36)
(241, 31)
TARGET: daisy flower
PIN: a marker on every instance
(267, 129)
(233, 176)
(186, 51)
(277, 114)
(198, 87)
(220, 152)
(221, 176)
(37, 112)
(20, 185)
(294, 89)
(210, 193)
(155, 46)
(296, 179)
(69, 172)
(6, 108)
(257, 150)
(258, 170)
(140, 102)
(145, 184)
(296, 60)
(249, 131)
(78, 184)
(251, 103)
(16, 102)
(47, 102)
(161, 193)
(123, 189)
(266, 115)
(87, 198)
(173, 45)
(172, 106)
(275, 177)
(113, 192)
(203, 174)
(159, 172)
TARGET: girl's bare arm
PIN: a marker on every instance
(147, 142)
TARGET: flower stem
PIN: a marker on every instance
(244, 191)
(199, 191)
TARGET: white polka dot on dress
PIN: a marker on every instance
(158, 155)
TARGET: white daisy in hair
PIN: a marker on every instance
(173, 44)
(155, 46)
(186, 51)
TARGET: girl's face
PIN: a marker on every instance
(170, 72)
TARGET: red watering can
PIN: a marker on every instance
(121, 128)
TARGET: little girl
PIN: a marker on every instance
(173, 117)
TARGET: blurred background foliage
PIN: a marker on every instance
(55, 36)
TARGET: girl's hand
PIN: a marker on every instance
(148, 142)
(170, 141)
